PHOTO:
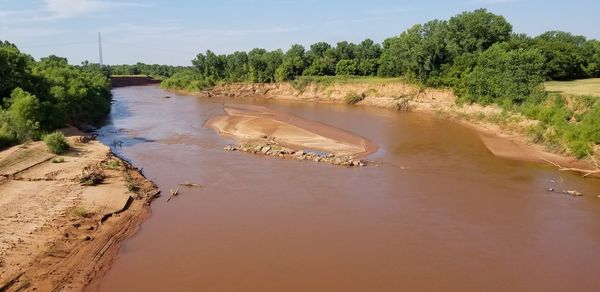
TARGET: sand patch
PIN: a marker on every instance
(248, 123)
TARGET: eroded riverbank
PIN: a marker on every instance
(507, 140)
(439, 213)
(56, 233)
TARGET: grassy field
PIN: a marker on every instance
(576, 87)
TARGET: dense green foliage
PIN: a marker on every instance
(503, 76)
(56, 143)
(38, 97)
(437, 53)
(566, 123)
(187, 80)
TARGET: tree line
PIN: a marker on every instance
(452, 53)
(41, 96)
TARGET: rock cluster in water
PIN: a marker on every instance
(271, 149)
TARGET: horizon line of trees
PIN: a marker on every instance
(437, 53)
(157, 71)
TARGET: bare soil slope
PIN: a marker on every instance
(56, 233)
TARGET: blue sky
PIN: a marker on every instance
(173, 32)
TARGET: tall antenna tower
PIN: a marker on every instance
(100, 47)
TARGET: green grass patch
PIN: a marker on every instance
(561, 128)
(113, 164)
(81, 212)
(58, 159)
(576, 87)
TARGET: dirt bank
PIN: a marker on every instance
(56, 233)
(505, 137)
(253, 123)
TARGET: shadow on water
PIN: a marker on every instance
(119, 138)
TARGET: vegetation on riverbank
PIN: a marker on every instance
(476, 54)
(41, 96)
(155, 71)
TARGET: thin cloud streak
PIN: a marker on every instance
(51, 10)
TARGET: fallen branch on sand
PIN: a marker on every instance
(190, 185)
(585, 172)
(173, 194)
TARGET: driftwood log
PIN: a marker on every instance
(173, 194)
(190, 185)
(584, 172)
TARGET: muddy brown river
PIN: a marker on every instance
(439, 213)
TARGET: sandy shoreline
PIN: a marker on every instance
(56, 233)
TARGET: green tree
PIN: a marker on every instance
(346, 67)
(418, 53)
(237, 67)
(591, 51)
(15, 69)
(564, 55)
(293, 64)
(322, 60)
(263, 65)
(476, 31)
(24, 114)
(505, 77)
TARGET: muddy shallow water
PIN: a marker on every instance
(440, 213)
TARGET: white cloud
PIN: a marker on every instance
(63, 9)
(75, 8)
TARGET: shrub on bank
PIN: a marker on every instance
(353, 98)
(56, 143)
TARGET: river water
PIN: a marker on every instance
(438, 213)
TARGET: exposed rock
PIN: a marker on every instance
(573, 193)
(270, 148)
(265, 149)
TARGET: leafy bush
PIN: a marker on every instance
(504, 76)
(187, 80)
(56, 143)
